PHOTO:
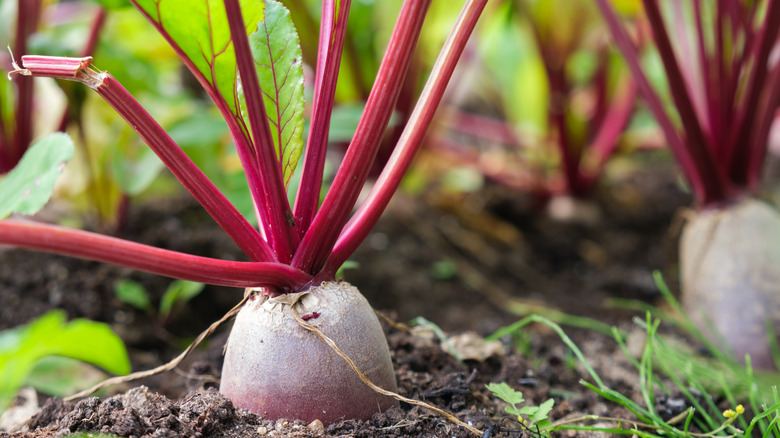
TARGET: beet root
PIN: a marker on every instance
(277, 369)
(730, 268)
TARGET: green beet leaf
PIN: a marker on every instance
(276, 50)
(199, 30)
(28, 187)
(51, 335)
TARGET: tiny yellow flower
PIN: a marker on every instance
(729, 413)
(521, 419)
(740, 409)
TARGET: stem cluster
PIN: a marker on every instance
(293, 246)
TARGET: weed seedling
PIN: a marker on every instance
(532, 417)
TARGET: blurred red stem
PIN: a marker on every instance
(618, 114)
(748, 117)
(87, 50)
(29, 14)
(759, 140)
(403, 109)
(571, 154)
(714, 183)
(479, 126)
(678, 147)
(600, 84)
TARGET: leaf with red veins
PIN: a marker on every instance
(198, 30)
(276, 50)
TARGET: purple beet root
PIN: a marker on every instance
(277, 369)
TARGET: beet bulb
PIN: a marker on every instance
(730, 267)
(278, 369)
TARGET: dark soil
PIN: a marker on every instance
(461, 261)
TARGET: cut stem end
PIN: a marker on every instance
(58, 67)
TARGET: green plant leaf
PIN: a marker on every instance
(506, 393)
(180, 291)
(28, 187)
(511, 56)
(133, 293)
(199, 29)
(276, 50)
(543, 424)
(513, 411)
(444, 269)
(527, 410)
(543, 411)
(537, 413)
(50, 335)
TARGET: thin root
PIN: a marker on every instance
(394, 324)
(165, 367)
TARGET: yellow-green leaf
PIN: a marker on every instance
(199, 29)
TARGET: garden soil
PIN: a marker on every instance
(468, 263)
